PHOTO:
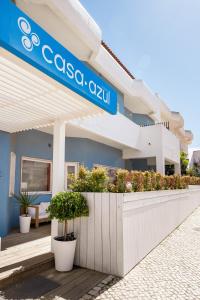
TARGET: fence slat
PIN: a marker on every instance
(106, 232)
(98, 233)
(113, 233)
(91, 231)
(83, 241)
(77, 225)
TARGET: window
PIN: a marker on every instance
(36, 175)
(71, 169)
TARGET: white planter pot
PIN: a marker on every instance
(24, 222)
(64, 252)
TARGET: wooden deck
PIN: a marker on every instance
(51, 284)
(27, 270)
(23, 252)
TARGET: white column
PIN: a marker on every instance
(177, 169)
(58, 182)
(160, 164)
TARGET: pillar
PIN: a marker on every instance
(177, 169)
(58, 178)
(160, 164)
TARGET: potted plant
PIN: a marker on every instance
(66, 206)
(25, 200)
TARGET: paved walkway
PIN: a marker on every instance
(171, 271)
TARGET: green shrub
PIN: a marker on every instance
(66, 206)
(90, 181)
(97, 180)
(185, 181)
(137, 180)
(194, 180)
(153, 181)
(159, 182)
(177, 179)
(25, 200)
(121, 180)
(184, 163)
(111, 188)
(166, 182)
(81, 183)
(147, 181)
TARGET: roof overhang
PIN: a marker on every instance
(30, 99)
(40, 80)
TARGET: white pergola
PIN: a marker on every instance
(29, 99)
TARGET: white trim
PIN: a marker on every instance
(42, 161)
(74, 164)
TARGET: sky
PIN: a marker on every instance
(159, 42)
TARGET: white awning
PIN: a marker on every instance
(30, 99)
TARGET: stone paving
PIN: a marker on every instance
(170, 271)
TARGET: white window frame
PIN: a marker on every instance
(73, 164)
(42, 161)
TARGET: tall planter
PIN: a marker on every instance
(25, 200)
(66, 206)
(123, 228)
(24, 223)
(64, 252)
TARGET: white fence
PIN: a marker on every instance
(123, 228)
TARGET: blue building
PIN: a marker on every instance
(66, 100)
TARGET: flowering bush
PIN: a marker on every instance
(97, 180)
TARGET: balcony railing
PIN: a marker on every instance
(165, 124)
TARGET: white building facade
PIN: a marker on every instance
(99, 115)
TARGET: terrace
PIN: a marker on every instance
(27, 269)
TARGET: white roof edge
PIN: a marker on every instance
(112, 71)
(72, 12)
(85, 26)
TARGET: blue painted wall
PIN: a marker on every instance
(89, 152)
(37, 144)
(139, 165)
(140, 119)
(31, 143)
(5, 146)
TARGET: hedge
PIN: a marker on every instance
(97, 180)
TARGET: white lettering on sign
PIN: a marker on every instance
(75, 74)
(30, 40)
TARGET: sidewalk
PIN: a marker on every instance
(170, 271)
